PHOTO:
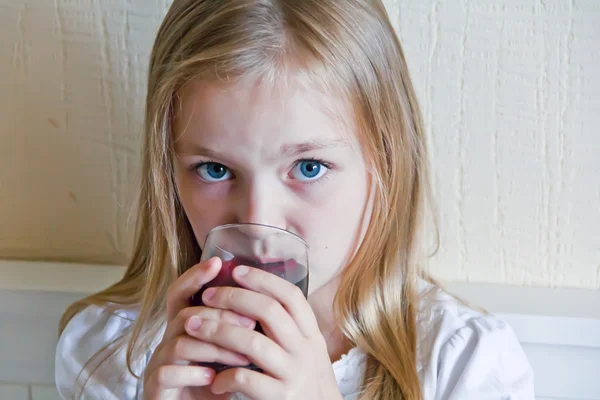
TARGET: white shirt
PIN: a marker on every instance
(462, 354)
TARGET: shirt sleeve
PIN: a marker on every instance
(88, 332)
(484, 360)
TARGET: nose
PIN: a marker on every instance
(260, 203)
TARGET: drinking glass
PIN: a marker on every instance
(265, 247)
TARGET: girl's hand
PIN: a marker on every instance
(169, 374)
(292, 353)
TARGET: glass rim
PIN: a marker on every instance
(226, 226)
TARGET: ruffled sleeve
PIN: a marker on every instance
(483, 360)
(75, 365)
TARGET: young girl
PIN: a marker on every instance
(298, 114)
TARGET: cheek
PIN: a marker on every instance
(203, 210)
(333, 228)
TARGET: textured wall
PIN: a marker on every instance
(510, 91)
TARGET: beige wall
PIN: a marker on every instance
(510, 91)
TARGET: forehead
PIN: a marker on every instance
(260, 117)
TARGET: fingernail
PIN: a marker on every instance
(209, 375)
(241, 270)
(194, 323)
(208, 293)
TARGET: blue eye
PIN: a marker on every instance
(309, 170)
(213, 172)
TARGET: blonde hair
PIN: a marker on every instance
(348, 46)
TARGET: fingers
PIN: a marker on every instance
(287, 294)
(167, 370)
(177, 326)
(186, 348)
(258, 348)
(177, 347)
(180, 291)
(178, 376)
(250, 383)
(183, 349)
(274, 319)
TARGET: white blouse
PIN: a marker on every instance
(462, 354)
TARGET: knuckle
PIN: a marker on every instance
(239, 377)
(223, 315)
(287, 395)
(228, 317)
(255, 344)
(294, 296)
(297, 294)
(162, 375)
(208, 329)
(219, 354)
(228, 294)
(272, 308)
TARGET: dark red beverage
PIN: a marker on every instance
(288, 270)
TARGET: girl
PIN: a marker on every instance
(298, 114)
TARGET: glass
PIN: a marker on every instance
(268, 248)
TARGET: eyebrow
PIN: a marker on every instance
(314, 145)
(289, 150)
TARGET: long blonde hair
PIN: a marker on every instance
(350, 47)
